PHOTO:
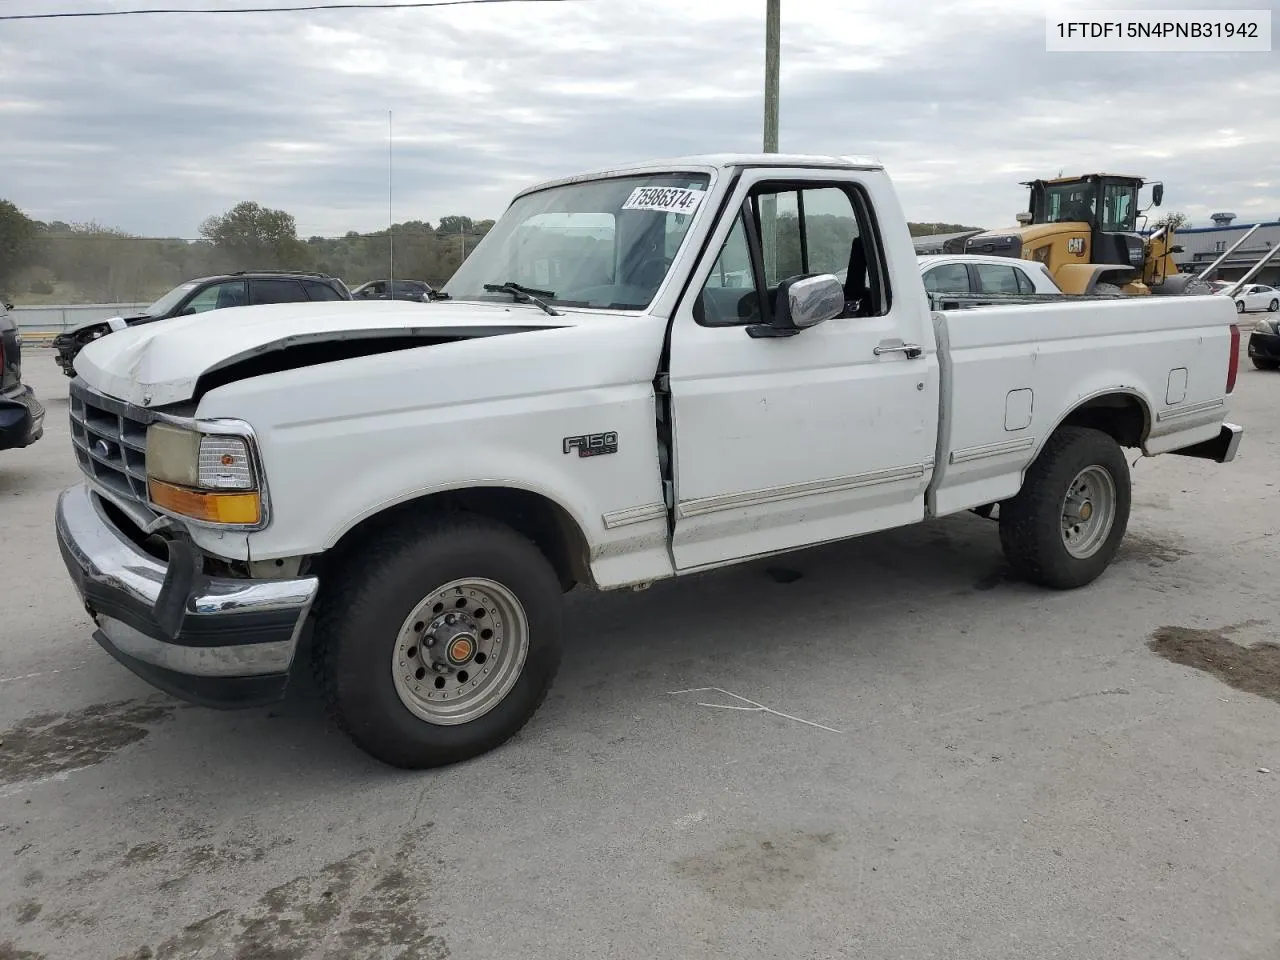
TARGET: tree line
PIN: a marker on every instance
(60, 262)
(93, 263)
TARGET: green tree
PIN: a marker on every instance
(250, 236)
(20, 244)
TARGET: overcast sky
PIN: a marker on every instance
(152, 123)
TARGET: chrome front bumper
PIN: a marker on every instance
(215, 641)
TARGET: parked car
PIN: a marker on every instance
(1256, 297)
(975, 274)
(418, 291)
(439, 479)
(21, 415)
(1264, 344)
(199, 296)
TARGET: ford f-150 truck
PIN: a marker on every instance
(639, 373)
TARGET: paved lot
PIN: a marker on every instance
(979, 769)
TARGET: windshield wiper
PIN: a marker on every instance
(526, 295)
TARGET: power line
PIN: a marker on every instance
(298, 9)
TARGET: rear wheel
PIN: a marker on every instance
(1273, 306)
(1064, 526)
(1239, 306)
(438, 642)
(1264, 364)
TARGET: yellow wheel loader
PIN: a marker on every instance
(1085, 230)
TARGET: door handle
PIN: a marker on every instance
(911, 350)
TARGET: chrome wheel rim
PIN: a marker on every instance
(1088, 512)
(460, 651)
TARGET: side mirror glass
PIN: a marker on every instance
(802, 302)
(1157, 194)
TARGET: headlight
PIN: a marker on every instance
(207, 477)
(1263, 326)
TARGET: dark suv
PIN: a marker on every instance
(418, 291)
(21, 416)
(208, 293)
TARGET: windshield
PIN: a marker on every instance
(168, 301)
(1067, 202)
(606, 244)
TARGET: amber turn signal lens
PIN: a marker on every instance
(244, 508)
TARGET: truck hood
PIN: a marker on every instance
(159, 364)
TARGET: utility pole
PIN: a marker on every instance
(391, 239)
(772, 42)
(769, 203)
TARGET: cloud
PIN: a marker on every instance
(153, 123)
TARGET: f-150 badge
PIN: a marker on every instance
(592, 444)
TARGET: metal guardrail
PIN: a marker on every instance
(36, 323)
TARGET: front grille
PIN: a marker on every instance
(110, 439)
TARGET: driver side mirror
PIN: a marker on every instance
(1157, 194)
(802, 302)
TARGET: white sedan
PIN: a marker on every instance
(1257, 297)
(967, 273)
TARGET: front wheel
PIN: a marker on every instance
(438, 641)
(1064, 526)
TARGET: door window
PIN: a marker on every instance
(217, 296)
(276, 291)
(805, 231)
(796, 230)
(996, 278)
(947, 278)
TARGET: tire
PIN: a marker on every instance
(1239, 306)
(382, 598)
(1263, 364)
(1273, 306)
(1032, 523)
(1107, 290)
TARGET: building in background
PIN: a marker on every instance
(1202, 245)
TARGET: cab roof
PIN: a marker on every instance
(715, 161)
(1083, 176)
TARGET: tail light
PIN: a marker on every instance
(1233, 364)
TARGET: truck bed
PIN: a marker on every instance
(1011, 371)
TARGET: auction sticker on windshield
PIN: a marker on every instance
(664, 199)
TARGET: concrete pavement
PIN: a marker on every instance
(951, 764)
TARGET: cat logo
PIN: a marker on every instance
(1076, 245)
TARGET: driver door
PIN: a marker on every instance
(784, 442)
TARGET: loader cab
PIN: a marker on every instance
(1106, 205)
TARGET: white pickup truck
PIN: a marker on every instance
(639, 373)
